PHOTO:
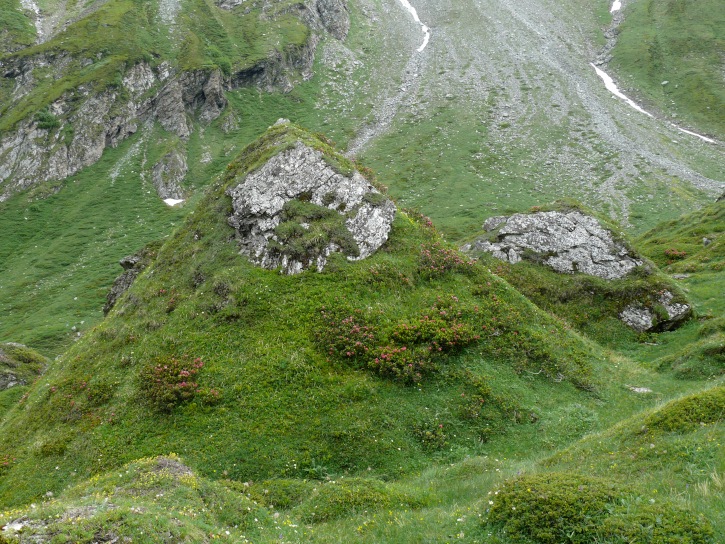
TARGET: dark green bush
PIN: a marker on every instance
(46, 120)
(654, 523)
(690, 412)
(345, 497)
(551, 508)
(559, 508)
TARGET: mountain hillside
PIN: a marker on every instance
(390, 271)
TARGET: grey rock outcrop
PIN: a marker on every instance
(357, 215)
(644, 318)
(566, 241)
(132, 266)
(570, 242)
(169, 173)
(90, 122)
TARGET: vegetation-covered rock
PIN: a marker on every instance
(591, 274)
(19, 365)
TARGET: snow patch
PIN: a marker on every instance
(424, 28)
(173, 201)
(616, 6)
(704, 138)
(612, 87)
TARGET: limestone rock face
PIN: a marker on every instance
(168, 174)
(567, 242)
(294, 211)
(644, 319)
(89, 123)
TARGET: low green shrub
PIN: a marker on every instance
(282, 493)
(654, 523)
(350, 496)
(551, 508)
(688, 413)
(559, 508)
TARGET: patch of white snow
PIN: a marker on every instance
(616, 6)
(612, 88)
(424, 28)
(704, 138)
(172, 201)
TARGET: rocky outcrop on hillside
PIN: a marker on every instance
(296, 210)
(73, 131)
(573, 242)
(76, 128)
(168, 174)
(565, 241)
(19, 365)
(644, 318)
(132, 266)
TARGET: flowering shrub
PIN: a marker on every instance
(169, 382)
(401, 364)
(431, 435)
(405, 352)
(445, 328)
(436, 260)
(674, 254)
(346, 333)
(6, 462)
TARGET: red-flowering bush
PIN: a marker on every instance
(170, 381)
(436, 260)
(346, 333)
(675, 254)
(401, 364)
(6, 462)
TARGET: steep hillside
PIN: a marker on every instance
(670, 53)
(98, 77)
(382, 363)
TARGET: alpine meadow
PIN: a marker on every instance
(375, 271)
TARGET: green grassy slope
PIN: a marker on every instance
(15, 28)
(278, 392)
(680, 42)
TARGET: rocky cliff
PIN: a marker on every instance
(51, 131)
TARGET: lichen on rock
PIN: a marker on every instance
(295, 210)
(570, 241)
(566, 241)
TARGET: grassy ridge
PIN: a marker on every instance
(681, 42)
(271, 399)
